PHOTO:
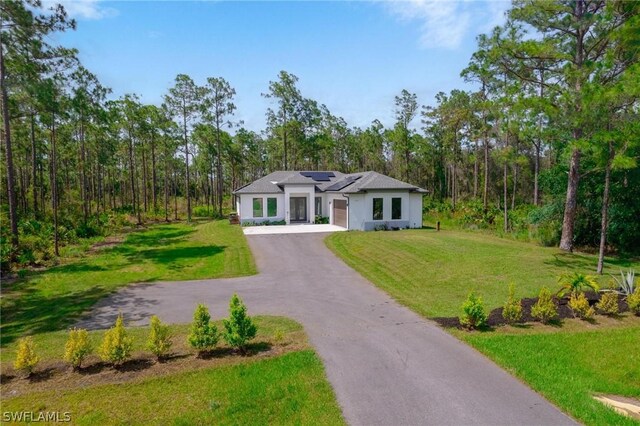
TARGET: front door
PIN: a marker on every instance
(298, 209)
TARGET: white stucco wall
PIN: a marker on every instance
(244, 207)
(356, 207)
(361, 210)
(415, 210)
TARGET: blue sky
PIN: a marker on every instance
(352, 56)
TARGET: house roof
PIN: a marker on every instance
(325, 181)
(368, 181)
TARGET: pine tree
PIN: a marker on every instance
(116, 345)
(239, 328)
(159, 341)
(204, 335)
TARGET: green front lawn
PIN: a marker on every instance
(289, 389)
(281, 382)
(569, 367)
(432, 272)
(54, 298)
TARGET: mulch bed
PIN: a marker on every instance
(55, 374)
(495, 319)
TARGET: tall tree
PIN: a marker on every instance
(130, 110)
(86, 100)
(24, 44)
(573, 37)
(184, 102)
(406, 107)
(481, 70)
(290, 102)
(218, 105)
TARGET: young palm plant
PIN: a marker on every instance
(575, 283)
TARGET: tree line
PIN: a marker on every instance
(551, 125)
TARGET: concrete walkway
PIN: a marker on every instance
(291, 229)
(387, 365)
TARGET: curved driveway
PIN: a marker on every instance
(387, 365)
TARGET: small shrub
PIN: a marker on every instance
(26, 357)
(159, 342)
(633, 300)
(77, 347)
(608, 303)
(576, 282)
(321, 220)
(544, 310)
(88, 229)
(116, 345)
(473, 314)
(580, 306)
(381, 227)
(239, 328)
(278, 335)
(203, 336)
(512, 310)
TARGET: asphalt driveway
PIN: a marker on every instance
(387, 365)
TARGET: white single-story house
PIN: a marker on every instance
(356, 201)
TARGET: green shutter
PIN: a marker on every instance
(257, 207)
(272, 207)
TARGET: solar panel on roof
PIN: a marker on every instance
(343, 183)
(319, 176)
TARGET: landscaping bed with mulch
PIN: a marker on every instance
(56, 374)
(495, 319)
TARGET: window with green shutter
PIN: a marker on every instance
(257, 207)
(272, 207)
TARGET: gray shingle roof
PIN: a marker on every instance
(265, 185)
(274, 182)
(374, 180)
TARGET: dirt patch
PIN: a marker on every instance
(57, 375)
(108, 242)
(495, 319)
(629, 407)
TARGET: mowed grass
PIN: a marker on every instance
(289, 389)
(52, 299)
(568, 368)
(432, 272)
(281, 382)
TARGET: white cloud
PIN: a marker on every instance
(84, 9)
(445, 23)
(495, 14)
